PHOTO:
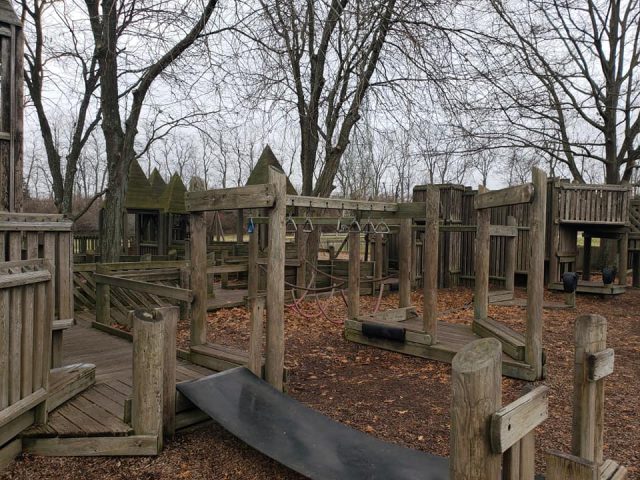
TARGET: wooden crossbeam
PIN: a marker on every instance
(503, 231)
(175, 293)
(506, 196)
(600, 364)
(340, 204)
(252, 196)
(512, 422)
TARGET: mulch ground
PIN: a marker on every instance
(394, 397)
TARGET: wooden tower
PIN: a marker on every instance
(11, 108)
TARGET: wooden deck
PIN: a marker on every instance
(451, 339)
(99, 410)
(596, 288)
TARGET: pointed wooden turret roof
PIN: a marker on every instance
(154, 193)
(139, 193)
(260, 173)
(8, 14)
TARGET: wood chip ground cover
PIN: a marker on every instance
(391, 396)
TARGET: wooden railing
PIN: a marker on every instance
(593, 204)
(25, 331)
(39, 236)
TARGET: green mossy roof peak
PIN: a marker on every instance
(158, 185)
(172, 199)
(8, 14)
(260, 173)
(139, 193)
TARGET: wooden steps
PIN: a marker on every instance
(513, 343)
(596, 288)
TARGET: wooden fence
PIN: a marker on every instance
(26, 294)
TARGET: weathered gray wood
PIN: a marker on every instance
(5, 320)
(93, 446)
(340, 204)
(430, 258)
(600, 364)
(21, 406)
(476, 395)
(256, 322)
(506, 196)
(103, 298)
(535, 276)
(623, 258)
(24, 278)
(511, 463)
(512, 422)
(185, 283)
(145, 287)
(588, 397)
(9, 452)
(511, 252)
(528, 457)
(251, 196)
(509, 231)
(482, 246)
(198, 278)
(404, 252)
(353, 290)
(562, 466)
(170, 320)
(253, 271)
(275, 285)
(148, 367)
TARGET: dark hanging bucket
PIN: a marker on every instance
(608, 275)
(570, 282)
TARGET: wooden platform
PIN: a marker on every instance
(596, 288)
(522, 302)
(451, 338)
(99, 410)
(226, 298)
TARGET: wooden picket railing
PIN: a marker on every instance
(593, 204)
(26, 294)
(30, 236)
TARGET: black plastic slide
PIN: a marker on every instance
(301, 438)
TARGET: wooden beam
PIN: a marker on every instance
(24, 278)
(92, 446)
(251, 196)
(510, 258)
(600, 364)
(535, 275)
(160, 290)
(481, 264)
(198, 245)
(256, 319)
(35, 226)
(170, 322)
(503, 230)
(21, 406)
(275, 285)
(340, 204)
(512, 422)
(404, 247)
(476, 394)
(562, 466)
(430, 259)
(506, 196)
(9, 452)
(353, 289)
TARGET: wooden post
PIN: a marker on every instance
(353, 296)
(554, 227)
(482, 252)
(561, 466)
(476, 374)
(430, 256)
(185, 282)
(588, 396)
(256, 325)
(404, 251)
(148, 361)
(535, 277)
(240, 226)
(510, 257)
(275, 284)
(570, 299)
(170, 321)
(198, 260)
(636, 269)
(623, 258)
(379, 259)
(301, 246)
(414, 254)
(586, 258)
(253, 270)
(103, 298)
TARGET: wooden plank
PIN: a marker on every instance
(275, 286)
(21, 406)
(481, 268)
(513, 344)
(16, 426)
(562, 466)
(92, 446)
(23, 278)
(512, 422)
(430, 266)
(15, 345)
(160, 290)
(9, 452)
(404, 252)
(35, 226)
(503, 230)
(506, 196)
(5, 322)
(340, 204)
(600, 364)
(73, 380)
(170, 321)
(27, 352)
(256, 320)
(251, 196)
(353, 288)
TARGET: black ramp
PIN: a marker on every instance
(301, 438)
